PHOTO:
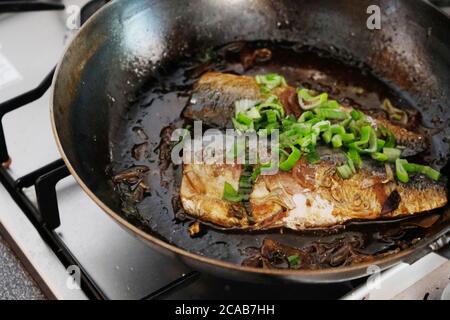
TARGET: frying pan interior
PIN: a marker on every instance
(128, 42)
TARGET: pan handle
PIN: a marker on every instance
(21, 6)
(442, 246)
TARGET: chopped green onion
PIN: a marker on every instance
(351, 165)
(271, 116)
(402, 174)
(321, 126)
(347, 137)
(356, 115)
(380, 144)
(353, 154)
(294, 260)
(288, 121)
(346, 122)
(271, 80)
(369, 141)
(331, 114)
(392, 154)
(255, 174)
(271, 104)
(290, 162)
(431, 173)
(380, 157)
(230, 194)
(314, 121)
(353, 128)
(271, 126)
(327, 135)
(365, 136)
(313, 157)
(305, 141)
(253, 113)
(426, 170)
(336, 141)
(239, 126)
(330, 104)
(389, 137)
(306, 116)
(393, 112)
(345, 172)
(244, 119)
(337, 129)
(302, 129)
(308, 101)
(373, 143)
(244, 105)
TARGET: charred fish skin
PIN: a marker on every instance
(213, 97)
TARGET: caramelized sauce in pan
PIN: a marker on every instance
(154, 201)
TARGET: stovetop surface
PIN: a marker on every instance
(122, 265)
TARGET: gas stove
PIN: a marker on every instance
(68, 245)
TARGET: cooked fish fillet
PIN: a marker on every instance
(311, 196)
(215, 93)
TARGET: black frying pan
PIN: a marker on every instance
(129, 45)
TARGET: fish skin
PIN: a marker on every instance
(213, 98)
(201, 195)
(311, 196)
(214, 95)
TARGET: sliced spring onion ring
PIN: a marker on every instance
(294, 260)
(392, 154)
(271, 80)
(345, 172)
(347, 137)
(389, 137)
(306, 116)
(356, 115)
(308, 100)
(381, 157)
(394, 113)
(327, 136)
(426, 170)
(292, 159)
(271, 116)
(331, 114)
(244, 105)
(353, 154)
(230, 194)
(380, 144)
(402, 174)
(244, 119)
(337, 129)
(336, 141)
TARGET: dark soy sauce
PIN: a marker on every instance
(159, 104)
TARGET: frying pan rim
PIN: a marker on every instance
(306, 276)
